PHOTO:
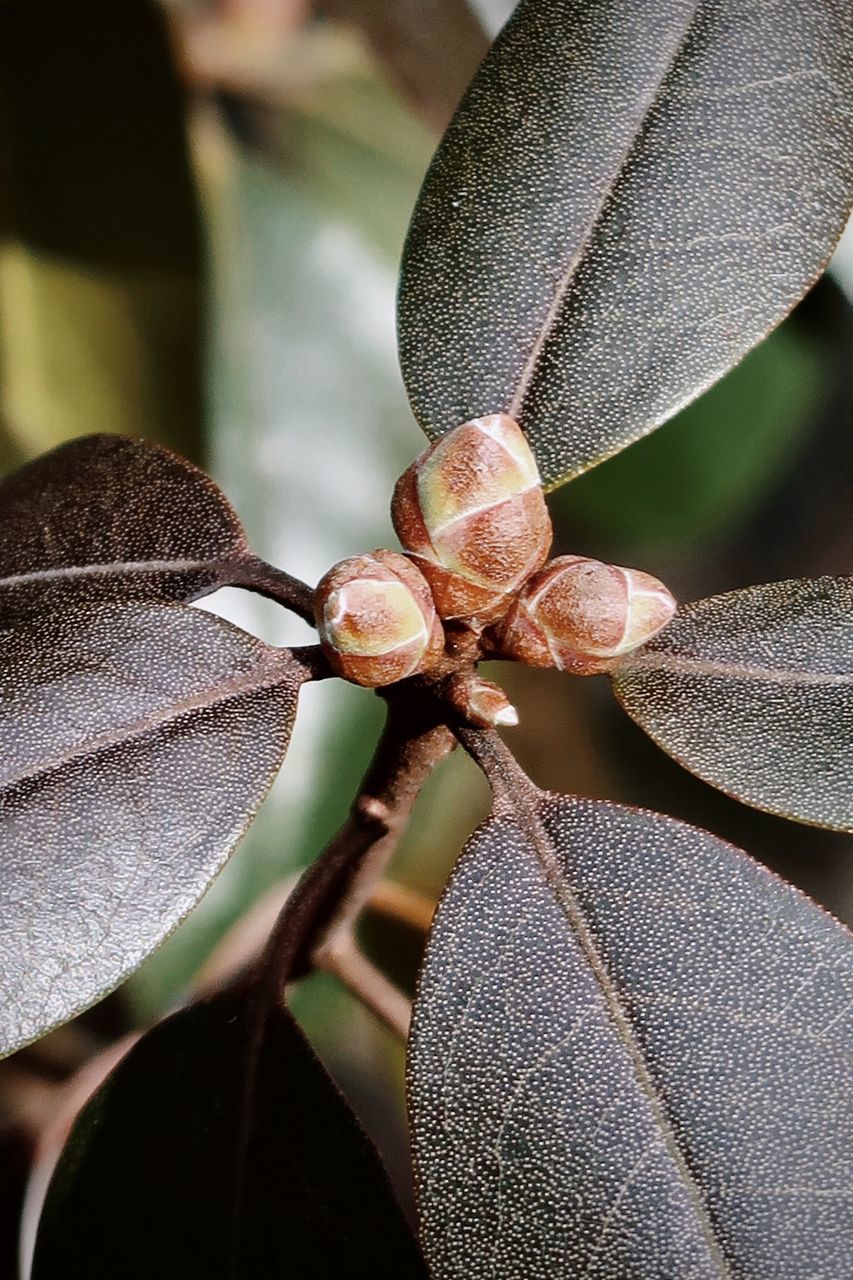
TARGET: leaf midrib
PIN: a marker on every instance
(115, 568)
(552, 316)
(554, 874)
(271, 670)
(690, 664)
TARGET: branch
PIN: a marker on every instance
(317, 921)
(406, 906)
(368, 984)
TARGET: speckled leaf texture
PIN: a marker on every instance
(138, 741)
(108, 517)
(632, 1057)
(631, 195)
(151, 1182)
(753, 691)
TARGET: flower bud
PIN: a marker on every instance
(471, 511)
(582, 616)
(480, 702)
(376, 619)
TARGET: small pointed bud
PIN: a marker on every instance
(377, 620)
(582, 616)
(471, 512)
(480, 702)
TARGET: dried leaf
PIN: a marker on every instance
(631, 1056)
(138, 742)
(628, 199)
(753, 691)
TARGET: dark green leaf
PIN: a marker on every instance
(753, 691)
(629, 197)
(138, 743)
(631, 1057)
(176, 1167)
(106, 517)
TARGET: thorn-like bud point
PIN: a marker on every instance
(377, 620)
(481, 703)
(583, 616)
(471, 512)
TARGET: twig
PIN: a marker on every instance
(256, 575)
(351, 967)
(321, 912)
(313, 661)
(399, 902)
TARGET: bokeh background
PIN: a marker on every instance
(202, 207)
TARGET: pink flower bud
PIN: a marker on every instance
(377, 620)
(582, 616)
(471, 512)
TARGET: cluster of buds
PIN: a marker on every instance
(470, 513)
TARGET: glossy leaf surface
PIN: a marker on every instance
(137, 744)
(107, 517)
(629, 197)
(631, 1057)
(753, 691)
(153, 1169)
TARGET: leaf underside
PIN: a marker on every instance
(153, 1169)
(111, 518)
(631, 1056)
(138, 741)
(628, 199)
(753, 691)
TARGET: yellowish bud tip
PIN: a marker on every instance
(472, 511)
(582, 616)
(376, 619)
(480, 702)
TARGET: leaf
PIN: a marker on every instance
(753, 691)
(106, 517)
(629, 197)
(153, 1168)
(100, 247)
(138, 742)
(699, 479)
(429, 48)
(631, 1056)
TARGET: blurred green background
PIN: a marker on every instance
(202, 207)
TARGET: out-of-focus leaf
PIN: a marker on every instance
(631, 1057)
(429, 48)
(753, 691)
(106, 517)
(356, 149)
(628, 199)
(138, 742)
(100, 262)
(703, 474)
(227, 1159)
